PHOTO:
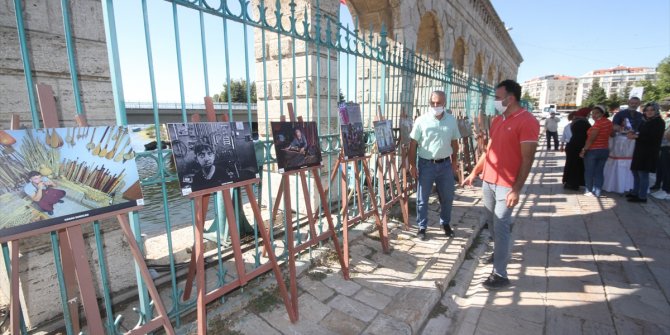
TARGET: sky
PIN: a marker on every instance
(573, 37)
(566, 37)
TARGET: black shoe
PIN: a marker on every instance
(494, 282)
(60, 201)
(631, 195)
(448, 231)
(486, 226)
(422, 235)
(488, 260)
(636, 199)
(655, 188)
(50, 212)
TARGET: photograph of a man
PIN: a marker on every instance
(43, 192)
(208, 174)
(296, 145)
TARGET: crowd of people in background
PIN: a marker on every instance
(618, 154)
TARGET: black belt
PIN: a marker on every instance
(437, 161)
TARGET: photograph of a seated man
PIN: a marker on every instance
(299, 142)
(208, 174)
(41, 190)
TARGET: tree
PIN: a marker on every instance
(238, 92)
(341, 97)
(613, 102)
(596, 96)
(527, 97)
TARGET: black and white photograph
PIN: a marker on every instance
(352, 132)
(56, 175)
(384, 136)
(296, 145)
(211, 154)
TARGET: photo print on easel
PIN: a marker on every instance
(351, 127)
(211, 154)
(384, 136)
(56, 175)
(296, 145)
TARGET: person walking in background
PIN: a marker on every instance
(435, 141)
(629, 118)
(573, 171)
(505, 166)
(596, 150)
(662, 184)
(647, 143)
(567, 132)
(551, 130)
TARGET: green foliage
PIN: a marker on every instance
(531, 100)
(597, 95)
(341, 97)
(614, 101)
(238, 92)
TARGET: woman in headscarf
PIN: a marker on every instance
(647, 144)
(573, 171)
(596, 151)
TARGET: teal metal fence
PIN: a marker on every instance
(382, 75)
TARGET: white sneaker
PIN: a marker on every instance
(661, 195)
(589, 194)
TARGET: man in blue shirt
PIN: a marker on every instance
(631, 114)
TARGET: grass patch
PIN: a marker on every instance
(263, 302)
(219, 325)
(316, 275)
(439, 309)
(470, 254)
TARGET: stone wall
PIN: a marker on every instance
(45, 36)
(40, 294)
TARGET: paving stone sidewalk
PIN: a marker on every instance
(391, 293)
(580, 265)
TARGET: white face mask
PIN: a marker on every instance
(437, 111)
(499, 106)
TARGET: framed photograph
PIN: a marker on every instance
(384, 136)
(296, 145)
(208, 155)
(351, 130)
(49, 177)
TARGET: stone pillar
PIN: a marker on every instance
(306, 85)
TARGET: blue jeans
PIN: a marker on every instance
(640, 184)
(443, 177)
(495, 202)
(594, 164)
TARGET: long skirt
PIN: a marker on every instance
(573, 172)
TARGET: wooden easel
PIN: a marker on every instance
(387, 171)
(285, 193)
(197, 265)
(73, 254)
(357, 195)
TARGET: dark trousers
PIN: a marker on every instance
(554, 135)
(663, 170)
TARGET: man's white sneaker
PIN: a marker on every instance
(589, 194)
(661, 195)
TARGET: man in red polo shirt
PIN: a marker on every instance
(505, 166)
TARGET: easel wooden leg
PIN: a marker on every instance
(71, 293)
(200, 214)
(383, 231)
(345, 216)
(403, 200)
(308, 203)
(85, 280)
(192, 265)
(272, 258)
(15, 301)
(235, 238)
(290, 246)
(144, 271)
(326, 211)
